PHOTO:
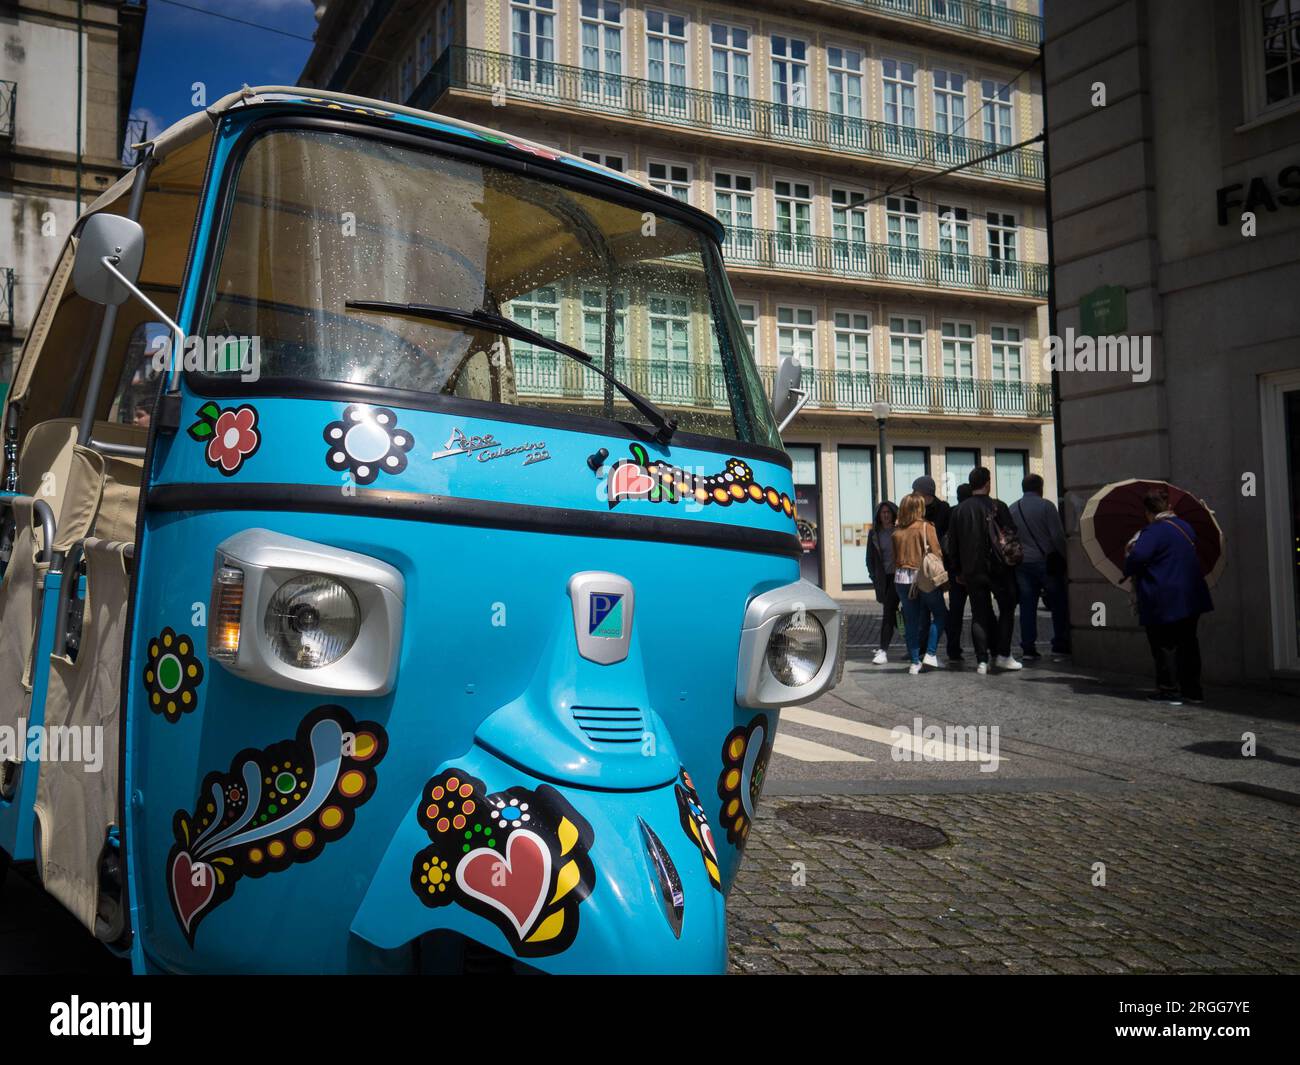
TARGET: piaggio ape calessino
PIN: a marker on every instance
(402, 570)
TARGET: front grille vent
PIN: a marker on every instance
(610, 725)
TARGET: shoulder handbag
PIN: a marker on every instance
(1054, 560)
(931, 573)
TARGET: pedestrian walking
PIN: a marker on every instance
(919, 576)
(1172, 595)
(986, 550)
(1041, 572)
(937, 513)
(880, 566)
(956, 590)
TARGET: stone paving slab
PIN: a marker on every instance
(1198, 880)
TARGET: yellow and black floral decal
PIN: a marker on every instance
(745, 754)
(518, 858)
(695, 823)
(272, 809)
(172, 675)
(662, 482)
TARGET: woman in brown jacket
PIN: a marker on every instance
(913, 537)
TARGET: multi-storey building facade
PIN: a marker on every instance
(817, 131)
(66, 75)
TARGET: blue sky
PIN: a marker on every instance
(183, 45)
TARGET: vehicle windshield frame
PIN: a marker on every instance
(223, 187)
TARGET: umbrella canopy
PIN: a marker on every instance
(1115, 514)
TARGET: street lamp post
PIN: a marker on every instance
(881, 410)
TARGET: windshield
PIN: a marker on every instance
(321, 220)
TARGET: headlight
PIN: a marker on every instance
(312, 621)
(796, 649)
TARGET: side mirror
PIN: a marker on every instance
(116, 238)
(788, 395)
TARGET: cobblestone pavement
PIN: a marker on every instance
(1198, 880)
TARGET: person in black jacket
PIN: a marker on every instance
(956, 591)
(880, 564)
(986, 578)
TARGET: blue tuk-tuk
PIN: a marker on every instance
(401, 569)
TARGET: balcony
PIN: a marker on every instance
(8, 108)
(967, 16)
(771, 249)
(737, 116)
(540, 374)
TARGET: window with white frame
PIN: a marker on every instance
(795, 334)
(613, 160)
(848, 223)
(671, 178)
(749, 323)
(903, 227)
(1007, 349)
(601, 30)
(996, 111)
(1271, 37)
(733, 202)
(793, 200)
(957, 343)
(954, 241)
(844, 81)
(670, 330)
(665, 34)
(852, 342)
(729, 48)
(789, 77)
(906, 346)
(539, 310)
(1002, 244)
(949, 106)
(899, 81)
(594, 308)
(532, 40)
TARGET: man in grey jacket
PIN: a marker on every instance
(1042, 573)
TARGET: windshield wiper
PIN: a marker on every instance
(665, 425)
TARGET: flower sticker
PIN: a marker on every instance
(231, 435)
(365, 441)
(172, 675)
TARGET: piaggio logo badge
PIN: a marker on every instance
(606, 615)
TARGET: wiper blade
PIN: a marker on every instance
(665, 424)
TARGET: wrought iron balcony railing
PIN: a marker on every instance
(777, 250)
(8, 108)
(6, 297)
(970, 16)
(574, 87)
(539, 373)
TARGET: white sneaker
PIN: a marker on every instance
(914, 668)
(982, 668)
(931, 660)
(880, 659)
(1007, 662)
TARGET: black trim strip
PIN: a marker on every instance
(489, 513)
(217, 386)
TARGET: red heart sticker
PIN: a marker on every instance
(629, 481)
(190, 897)
(514, 884)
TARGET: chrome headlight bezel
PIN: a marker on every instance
(270, 560)
(756, 685)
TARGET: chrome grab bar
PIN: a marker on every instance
(125, 451)
(43, 511)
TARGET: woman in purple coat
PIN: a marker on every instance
(1172, 595)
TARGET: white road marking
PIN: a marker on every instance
(808, 751)
(930, 749)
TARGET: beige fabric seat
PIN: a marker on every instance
(75, 808)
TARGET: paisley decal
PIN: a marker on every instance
(661, 482)
(273, 808)
(518, 858)
(172, 675)
(367, 441)
(231, 436)
(745, 754)
(695, 823)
